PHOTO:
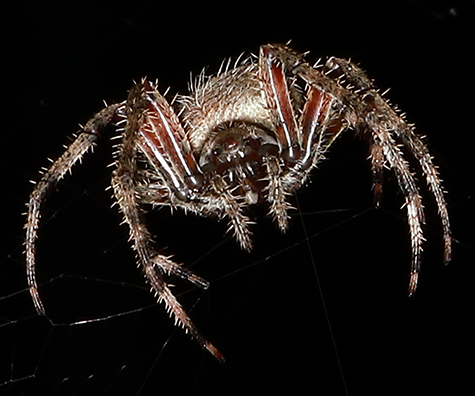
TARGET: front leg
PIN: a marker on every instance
(302, 144)
(278, 98)
(322, 117)
(163, 141)
(274, 82)
(154, 266)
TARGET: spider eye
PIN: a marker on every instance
(232, 143)
(226, 149)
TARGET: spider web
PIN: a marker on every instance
(322, 307)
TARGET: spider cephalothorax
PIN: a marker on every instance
(248, 135)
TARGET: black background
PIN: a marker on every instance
(264, 310)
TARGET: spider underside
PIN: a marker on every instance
(248, 135)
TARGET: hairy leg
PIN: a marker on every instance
(154, 265)
(74, 153)
(363, 109)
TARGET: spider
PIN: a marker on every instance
(249, 135)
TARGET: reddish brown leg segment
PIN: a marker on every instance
(161, 138)
(278, 99)
(314, 124)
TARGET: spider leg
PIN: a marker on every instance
(407, 184)
(276, 90)
(320, 126)
(74, 153)
(347, 73)
(377, 168)
(277, 193)
(278, 99)
(362, 108)
(150, 127)
(303, 144)
(163, 141)
(405, 133)
(238, 222)
(420, 151)
(367, 112)
(320, 122)
(173, 268)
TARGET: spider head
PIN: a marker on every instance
(237, 153)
